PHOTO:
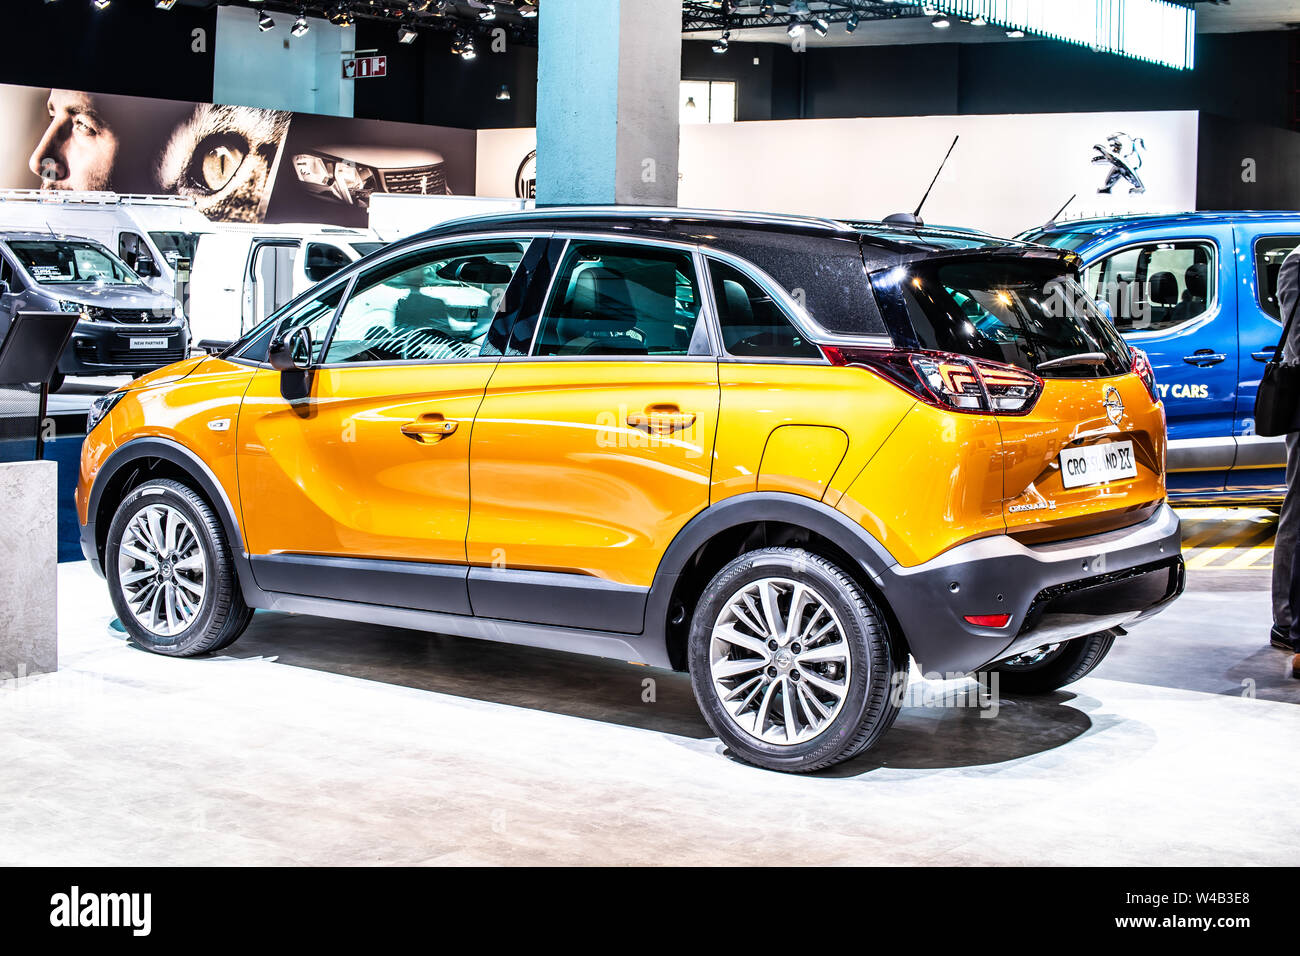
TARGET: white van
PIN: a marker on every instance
(242, 273)
(395, 216)
(151, 234)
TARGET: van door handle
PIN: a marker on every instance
(1267, 355)
(1204, 358)
(429, 431)
(661, 419)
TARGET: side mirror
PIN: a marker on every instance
(144, 266)
(291, 356)
(291, 353)
(214, 346)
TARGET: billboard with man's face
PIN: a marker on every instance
(239, 163)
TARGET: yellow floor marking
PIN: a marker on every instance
(1248, 558)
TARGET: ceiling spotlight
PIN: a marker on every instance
(799, 8)
(300, 26)
(979, 22)
(525, 9)
(720, 44)
(795, 28)
(488, 13)
(766, 9)
(160, 4)
(463, 46)
(821, 26)
(407, 34)
(851, 23)
(265, 22)
(1016, 34)
(503, 93)
(100, 4)
(341, 16)
(941, 22)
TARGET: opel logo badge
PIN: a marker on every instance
(1113, 404)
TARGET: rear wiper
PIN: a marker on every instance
(1083, 358)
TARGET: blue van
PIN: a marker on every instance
(1198, 293)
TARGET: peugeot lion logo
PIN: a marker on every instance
(1113, 404)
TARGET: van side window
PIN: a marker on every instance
(1269, 253)
(132, 250)
(1155, 286)
(623, 300)
(323, 260)
(753, 324)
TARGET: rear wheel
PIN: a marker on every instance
(790, 661)
(170, 572)
(1050, 667)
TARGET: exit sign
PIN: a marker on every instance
(365, 67)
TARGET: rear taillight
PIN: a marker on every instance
(954, 382)
(1143, 370)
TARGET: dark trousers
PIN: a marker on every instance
(1286, 569)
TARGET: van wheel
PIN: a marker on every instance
(1050, 668)
(790, 661)
(170, 572)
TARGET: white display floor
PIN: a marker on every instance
(325, 743)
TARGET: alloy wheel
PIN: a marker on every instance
(162, 570)
(779, 661)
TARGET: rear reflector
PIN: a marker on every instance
(988, 620)
(955, 382)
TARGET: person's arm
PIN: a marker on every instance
(1288, 292)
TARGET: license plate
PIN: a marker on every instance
(154, 343)
(1097, 464)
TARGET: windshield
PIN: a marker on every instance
(1021, 312)
(60, 262)
(176, 245)
(1070, 241)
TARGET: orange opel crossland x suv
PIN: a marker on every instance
(782, 454)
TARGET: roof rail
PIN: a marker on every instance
(654, 212)
(89, 197)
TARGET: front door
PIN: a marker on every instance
(1173, 298)
(593, 448)
(361, 490)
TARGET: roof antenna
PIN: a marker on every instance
(1052, 221)
(914, 218)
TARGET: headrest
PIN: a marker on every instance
(480, 271)
(739, 310)
(1164, 289)
(603, 294)
(1194, 280)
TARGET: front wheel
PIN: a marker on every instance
(1051, 667)
(791, 662)
(170, 572)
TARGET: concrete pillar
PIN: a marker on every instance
(29, 554)
(608, 75)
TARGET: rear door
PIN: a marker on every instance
(1260, 466)
(1173, 297)
(268, 281)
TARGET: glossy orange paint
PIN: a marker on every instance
(562, 479)
(1071, 414)
(179, 402)
(335, 474)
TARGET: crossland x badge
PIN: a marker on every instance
(1113, 404)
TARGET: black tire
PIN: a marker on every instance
(872, 697)
(56, 381)
(1069, 662)
(222, 614)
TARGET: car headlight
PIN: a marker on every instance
(66, 306)
(100, 407)
(350, 182)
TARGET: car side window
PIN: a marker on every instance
(1269, 253)
(7, 274)
(753, 324)
(314, 315)
(1156, 286)
(430, 305)
(623, 299)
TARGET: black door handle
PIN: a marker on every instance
(1204, 358)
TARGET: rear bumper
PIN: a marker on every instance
(1053, 592)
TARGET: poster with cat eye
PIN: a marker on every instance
(238, 163)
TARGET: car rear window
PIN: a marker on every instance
(1020, 311)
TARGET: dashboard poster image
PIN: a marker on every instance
(238, 163)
